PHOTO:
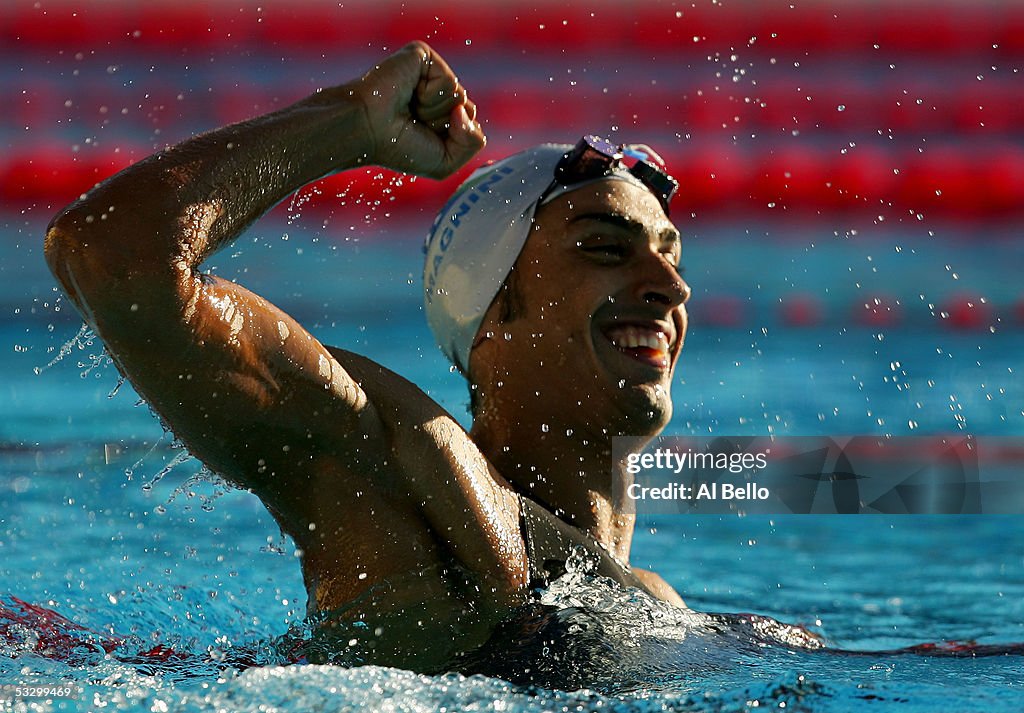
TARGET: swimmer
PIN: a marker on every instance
(552, 283)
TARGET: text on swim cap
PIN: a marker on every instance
(444, 240)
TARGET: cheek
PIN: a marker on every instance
(548, 307)
(560, 338)
(566, 316)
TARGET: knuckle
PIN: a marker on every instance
(420, 49)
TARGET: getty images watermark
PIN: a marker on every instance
(810, 474)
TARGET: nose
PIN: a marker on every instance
(662, 283)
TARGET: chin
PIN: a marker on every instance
(648, 409)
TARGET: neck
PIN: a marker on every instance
(567, 470)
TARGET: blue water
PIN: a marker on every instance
(182, 562)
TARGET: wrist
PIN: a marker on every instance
(342, 135)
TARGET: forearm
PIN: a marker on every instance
(137, 238)
(186, 202)
(234, 175)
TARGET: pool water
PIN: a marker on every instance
(173, 591)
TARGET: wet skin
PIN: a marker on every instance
(597, 275)
(603, 301)
(404, 520)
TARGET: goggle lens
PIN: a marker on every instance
(594, 157)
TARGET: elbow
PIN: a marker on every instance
(60, 251)
(72, 253)
(59, 248)
(84, 231)
(65, 248)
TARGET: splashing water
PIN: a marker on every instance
(298, 200)
(190, 488)
(82, 340)
(276, 545)
(586, 631)
(117, 387)
(95, 361)
(130, 471)
(182, 456)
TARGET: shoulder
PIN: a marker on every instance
(425, 455)
(391, 393)
(657, 586)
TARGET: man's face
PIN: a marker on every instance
(602, 316)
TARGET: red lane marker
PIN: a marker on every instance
(967, 312)
(801, 311)
(879, 311)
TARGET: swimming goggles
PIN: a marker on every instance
(593, 158)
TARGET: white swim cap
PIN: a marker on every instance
(477, 237)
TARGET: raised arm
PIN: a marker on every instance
(248, 390)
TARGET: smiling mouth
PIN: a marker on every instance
(647, 345)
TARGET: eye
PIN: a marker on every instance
(615, 250)
(603, 249)
(675, 260)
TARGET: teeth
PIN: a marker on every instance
(634, 337)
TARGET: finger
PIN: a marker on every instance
(435, 69)
(438, 91)
(390, 87)
(465, 138)
(403, 69)
(443, 123)
(437, 102)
